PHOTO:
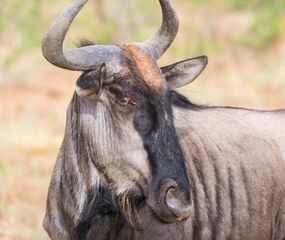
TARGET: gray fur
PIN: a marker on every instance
(235, 162)
(236, 165)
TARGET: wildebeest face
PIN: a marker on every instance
(124, 121)
(128, 125)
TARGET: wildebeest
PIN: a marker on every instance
(140, 161)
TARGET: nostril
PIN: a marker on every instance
(170, 201)
(177, 204)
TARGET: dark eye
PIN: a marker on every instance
(142, 122)
(126, 100)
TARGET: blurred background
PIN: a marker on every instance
(244, 40)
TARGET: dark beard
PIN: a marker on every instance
(130, 204)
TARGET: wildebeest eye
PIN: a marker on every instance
(124, 101)
(142, 122)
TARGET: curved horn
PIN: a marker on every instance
(163, 38)
(80, 59)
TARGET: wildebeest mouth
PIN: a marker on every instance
(169, 204)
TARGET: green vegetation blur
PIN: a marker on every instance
(114, 21)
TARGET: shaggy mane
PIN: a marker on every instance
(85, 43)
(179, 100)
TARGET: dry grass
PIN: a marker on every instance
(34, 96)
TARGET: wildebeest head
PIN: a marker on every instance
(124, 121)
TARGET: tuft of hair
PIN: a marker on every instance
(85, 43)
(97, 207)
(179, 100)
(128, 204)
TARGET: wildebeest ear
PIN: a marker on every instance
(89, 84)
(182, 73)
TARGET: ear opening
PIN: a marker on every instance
(182, 73)
(89, 84)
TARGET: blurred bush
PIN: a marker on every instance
(116, 21)
(267, 24)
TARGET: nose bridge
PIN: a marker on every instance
(169, 191)
(169, 162)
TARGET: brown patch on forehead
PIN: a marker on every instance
(146, 67)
